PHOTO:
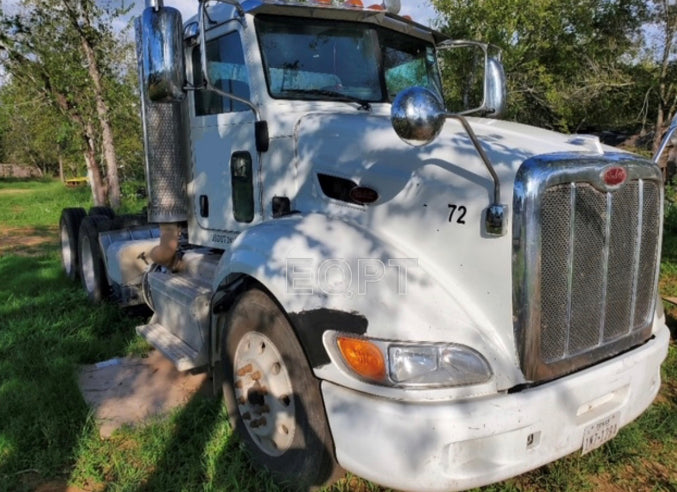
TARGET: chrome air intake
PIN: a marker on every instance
(585, 259)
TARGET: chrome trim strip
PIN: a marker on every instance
(605, 267)
(638, 249)
(570, 263)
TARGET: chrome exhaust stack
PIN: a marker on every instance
(159, 44)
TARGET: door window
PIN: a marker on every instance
(227, 72)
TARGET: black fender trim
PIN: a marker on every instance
(311, 325)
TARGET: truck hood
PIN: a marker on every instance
(430, 208)
(507, 143)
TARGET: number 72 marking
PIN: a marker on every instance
(459, 211)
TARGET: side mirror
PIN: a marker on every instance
(476, 76)
(417, 116)
(495, 91)
(161, 52)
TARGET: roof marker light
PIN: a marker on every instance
(376, 6)
(354, 3)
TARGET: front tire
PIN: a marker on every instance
(69, 228)
(92, 267)
(273, 399)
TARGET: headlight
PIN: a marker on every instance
(437, 365)
(415, 365)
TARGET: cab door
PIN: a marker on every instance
(223, 141)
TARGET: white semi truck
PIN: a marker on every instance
(432, 300)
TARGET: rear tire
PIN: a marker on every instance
(129, 220)
(100, 210)
(273, 399)
(92, 267)
(69, 227)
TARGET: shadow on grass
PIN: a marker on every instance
(201, 452)
(47, 329)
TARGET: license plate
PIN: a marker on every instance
(600, 432)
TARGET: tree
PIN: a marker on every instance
(63, 51)
(33, 132)
(663, 22)
(567, 61)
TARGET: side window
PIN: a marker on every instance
(227, 71)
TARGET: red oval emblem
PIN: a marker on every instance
(615, 176)
(363, 195)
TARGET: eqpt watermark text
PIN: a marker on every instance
(337, 276)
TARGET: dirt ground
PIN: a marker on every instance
(28, 241)
(128, 390)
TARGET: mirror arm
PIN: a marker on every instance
(495, 219)
(202, 14)
(483, 155)
(238, 7)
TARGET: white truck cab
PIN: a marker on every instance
(430, 300)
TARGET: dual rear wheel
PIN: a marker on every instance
(80, 252)
(92, 267)
(69, 226)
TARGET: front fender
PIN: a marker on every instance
(330, 274)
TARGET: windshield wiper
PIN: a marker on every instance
(334, 95)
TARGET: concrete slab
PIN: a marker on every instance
(128, 390)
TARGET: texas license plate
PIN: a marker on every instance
(600, 432)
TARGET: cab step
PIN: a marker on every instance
(181, 354)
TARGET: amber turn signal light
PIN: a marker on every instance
(363, 357)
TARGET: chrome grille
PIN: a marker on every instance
(585, 263)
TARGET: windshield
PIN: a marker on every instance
(316, 59)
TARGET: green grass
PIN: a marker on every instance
(38, 203)
(47, 434)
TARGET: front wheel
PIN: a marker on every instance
(273, 399)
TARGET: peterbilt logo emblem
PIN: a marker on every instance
(614, 177)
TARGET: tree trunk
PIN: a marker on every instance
(113, 183)
(87, 135)
(93, 169)
(658, 132)
(60, 167)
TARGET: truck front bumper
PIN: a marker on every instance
(455, 445)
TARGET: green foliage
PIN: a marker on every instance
(70, 73)
(568, 63)
(34, 133)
